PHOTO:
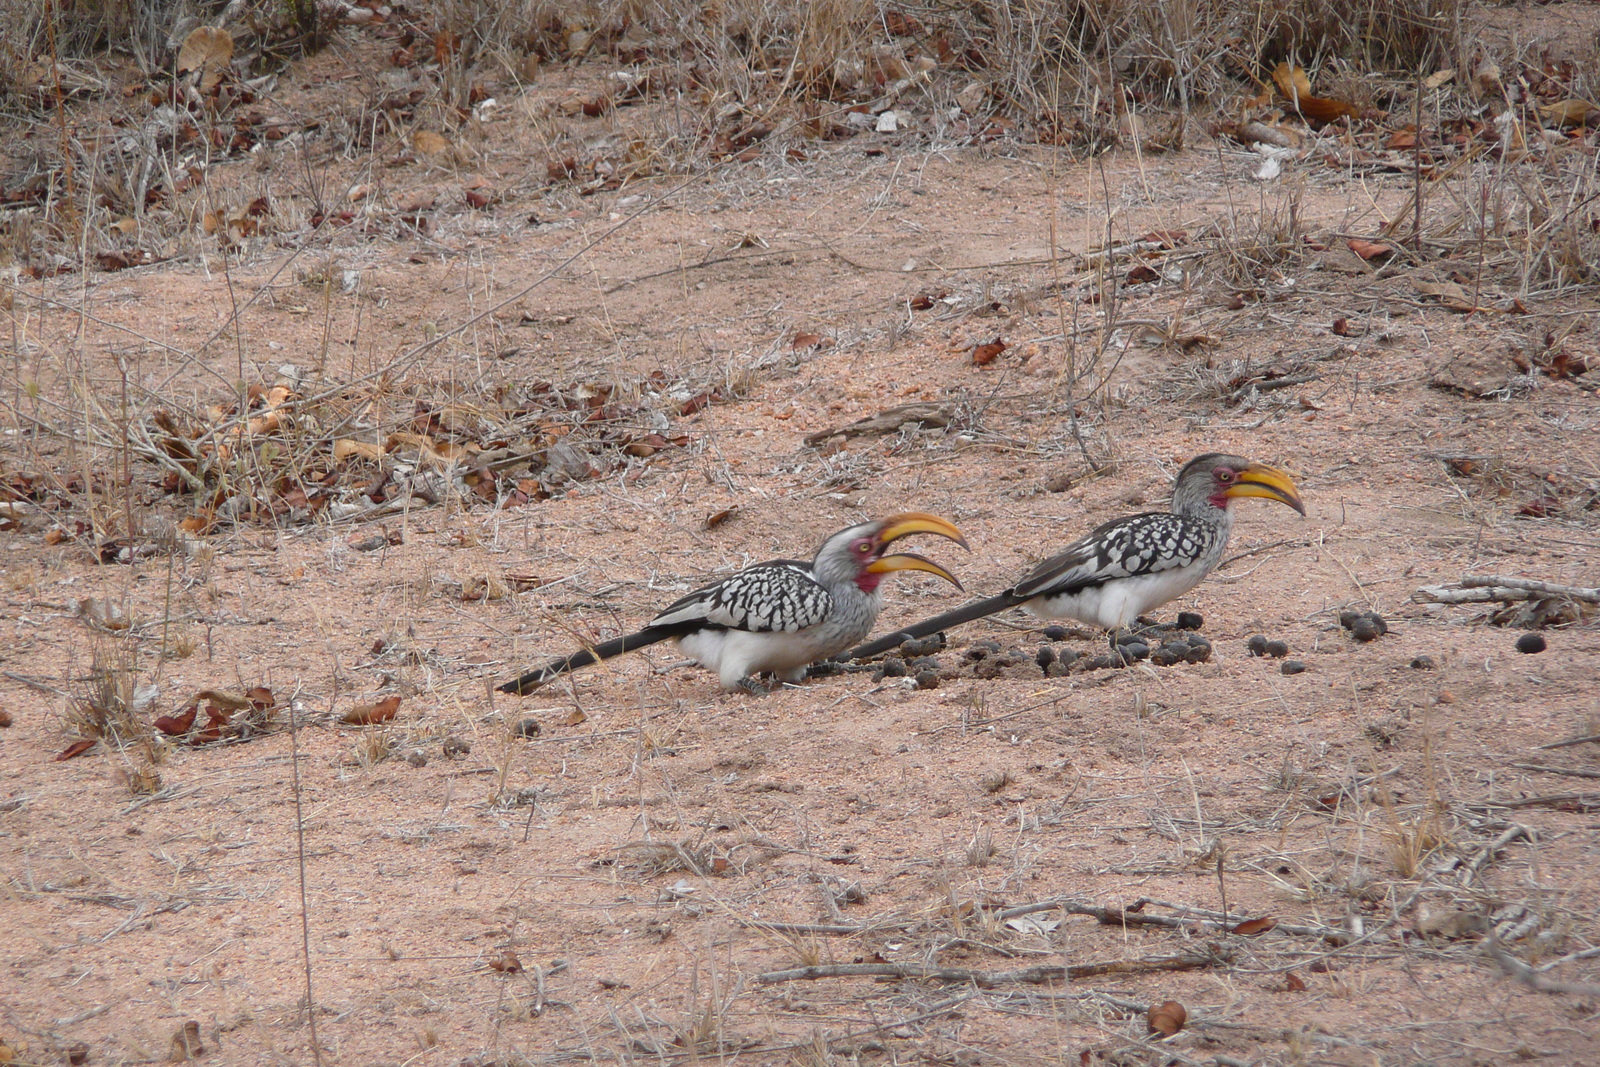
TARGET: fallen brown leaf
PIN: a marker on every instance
(186, 1043)
(1252, 927)
(372, 714)
(1322, 110)
(1571, 112)
(1369, 249)
(177, 725)
(1166, 1018)
(430, 143)
(506, 963)
(1291, 81)
(985, 354)
(1402, 140)
(77, 748)
(207, 49)
(345, 448)
(1449, 294)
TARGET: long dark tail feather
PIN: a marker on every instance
(966, 613)
(604, 650)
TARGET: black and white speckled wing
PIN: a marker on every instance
(782, 595)
(1139, 544)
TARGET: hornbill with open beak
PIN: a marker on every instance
(780, 616)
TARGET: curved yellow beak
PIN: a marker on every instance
(1269, 483)
(910, 561)
(914, 522)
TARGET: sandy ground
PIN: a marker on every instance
(624, 882)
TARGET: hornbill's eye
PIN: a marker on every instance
(864, 548)
(1224, 475)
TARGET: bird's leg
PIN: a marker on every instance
(756, 689)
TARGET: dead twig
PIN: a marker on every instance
(923, 416)
(1569, 742)
(1531, 978)
(1562, 801)
(1532, 585)
(990, 979)
(1477, 588)
(1482, 858)
(1570, 772)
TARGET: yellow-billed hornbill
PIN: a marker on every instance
(780, 616)
(1132, 565)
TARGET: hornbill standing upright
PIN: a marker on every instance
(780, 616)
(1131, 565)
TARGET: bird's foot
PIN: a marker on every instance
(1152, 632)
(753, 687)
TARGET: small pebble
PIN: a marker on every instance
(1422, 663)
(1054, 633)
(1045, 656)
(1531, 643)
(894, 667)
(1277, 649)
(1446, 697)
(527, 728)
(927, 679)
(1257, 645)
(1292, 666)
(1190, 620)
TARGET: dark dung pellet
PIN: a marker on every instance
(1277, 649)
(1364, 629)
(1257, 645)
(1531, 643)
(1292, 666)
